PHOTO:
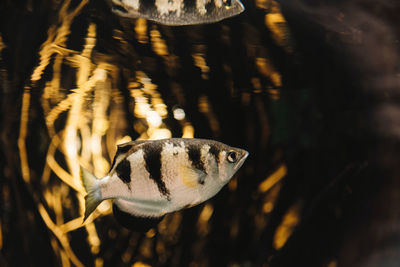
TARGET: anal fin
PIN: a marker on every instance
(133, 222)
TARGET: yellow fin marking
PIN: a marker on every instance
(189, 176)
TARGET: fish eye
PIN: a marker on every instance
(232, 156)
(227, 3)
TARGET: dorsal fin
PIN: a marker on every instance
(123, 150)
(125, 147)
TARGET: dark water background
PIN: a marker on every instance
(313, 97)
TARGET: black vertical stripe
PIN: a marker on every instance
(189, 5)
(214, 150)
(123, 170)
(194, 152)
(145, 5)
(210, 6)
(152, 158)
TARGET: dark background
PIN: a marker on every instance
(333, 122)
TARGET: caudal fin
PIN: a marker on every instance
(93, 197)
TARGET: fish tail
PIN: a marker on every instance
(93, 197)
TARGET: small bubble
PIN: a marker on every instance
(179, 114)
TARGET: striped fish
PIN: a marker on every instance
(178, 12)
(149, 179)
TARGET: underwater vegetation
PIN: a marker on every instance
(309, 88)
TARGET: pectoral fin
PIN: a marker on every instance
(192, 177)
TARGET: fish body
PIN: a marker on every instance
(178, 12)
(149, 179)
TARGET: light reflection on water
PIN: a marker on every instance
(91, 102)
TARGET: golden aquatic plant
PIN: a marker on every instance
(85, 120)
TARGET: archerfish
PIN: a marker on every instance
(151, 178)
(178, 12)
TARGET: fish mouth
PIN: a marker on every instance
(239, 6)
(243, 156)
(234, 9)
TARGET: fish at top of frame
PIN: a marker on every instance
(149, 179)
(178, 12)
